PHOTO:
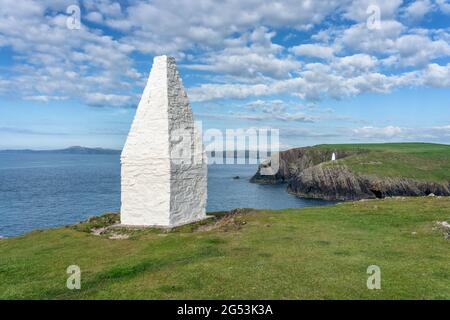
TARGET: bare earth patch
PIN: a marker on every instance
(228, 221)
(109, 226)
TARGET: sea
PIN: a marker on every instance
(45, 190)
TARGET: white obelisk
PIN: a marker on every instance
(164, 166)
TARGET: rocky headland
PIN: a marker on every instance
(310, 173)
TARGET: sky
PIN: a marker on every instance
(329, 71)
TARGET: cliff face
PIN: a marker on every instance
(294, 161)
(309, 174)
(340, 183)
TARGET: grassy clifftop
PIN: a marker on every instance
(419, 161)
(362, 171)
(315, 253)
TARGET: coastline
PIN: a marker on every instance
(362, 171)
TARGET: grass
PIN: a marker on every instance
(314, 253)
(420, 161)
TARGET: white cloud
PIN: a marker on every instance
(236, 40)
(393, 43)
(94, 16)
(344, 77)
(108, 100)
(313, 50)
(418, 9)
(355, 64)
(444, 6)
(52, 60)
(357, 10)
(110, 9)
(367, 134)
(436, 75)
(389, 131)
(43, 98)
(170, 26)
(267, 106)
(416, 50)
(359, 38)
(254, 56)
(280, 116)
(437, 133)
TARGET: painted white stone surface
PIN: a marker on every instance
(164, 166)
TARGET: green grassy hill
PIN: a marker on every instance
(420, 161)
(316, 253)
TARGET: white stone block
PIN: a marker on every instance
(164, 166)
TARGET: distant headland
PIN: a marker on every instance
(70, 150)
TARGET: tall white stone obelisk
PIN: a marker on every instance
(164, 167)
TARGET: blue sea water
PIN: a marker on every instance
(39, 191)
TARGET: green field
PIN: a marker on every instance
(316, 253)
(420, 161)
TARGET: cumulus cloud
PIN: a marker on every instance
(416, 50)
(444, 6)
(398, 45)
(353, 65)
(358, 38)
(357, 10)
(54, 60)
(437, 76)
(235, 40)
(313, 50)
(437, 133)
(255, 57)
(418, 9)
(345, 77)
(389, 131)
(180, 24)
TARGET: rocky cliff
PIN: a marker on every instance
(309, 173)
(294, 161)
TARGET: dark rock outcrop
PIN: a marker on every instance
(340, 183)
(309, 173)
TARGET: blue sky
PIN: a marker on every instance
(319, 71)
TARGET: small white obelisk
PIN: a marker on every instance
(333, 157)
(164, 167)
